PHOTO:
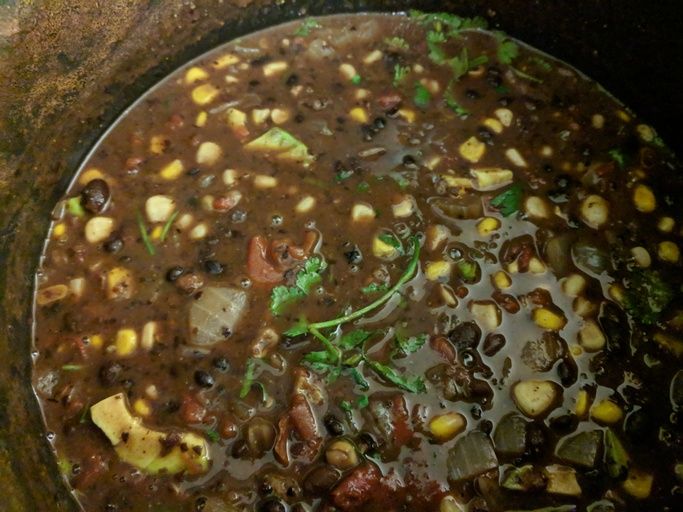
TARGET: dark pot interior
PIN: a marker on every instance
(67, 69)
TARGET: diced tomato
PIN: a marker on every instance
(356, 488)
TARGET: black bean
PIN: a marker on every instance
(113, 245)
(535, 441)
(366, 442)
(354, 256)
(199, 504)
(174, 273)
(409, 161)
(272, 505)
(333, 425)
(320, 480)
(95, 195)
(221, 364)
(213, 267)
(379, 123)
(485, 135)
(110, 373)
(472, 94)
(465, 335)
(204, 379)
(564, 424)
(493, 343)
(292, 79)
(486, 426)
(193, 171)
(567, 373)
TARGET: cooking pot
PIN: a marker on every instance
(69, 68)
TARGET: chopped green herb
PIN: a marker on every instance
(306, 27)
(72, 367)
(359, 379)
(422, 96)
(397, 42)
(356, 80)
(282, 145)
(542, 63)
(453, 104)
(306, 278)
(452, 24)
(374, 288)
(618, 156)
(354, 339)
(363, 402)
(248, 377)
(213, 436)
(346, 406)
(467, 270)
(410, 384)
(319, 356)
(527, 76)
(342, 175)
(436, 52)
(461, 64)
(509, 201)
(400, 73)
(74, 207)
(647, 295)
(502, 90)
(167, 226)
(145, 237)
(616, 457)
(391, 240)
(406, 346)
(507, 51)
(363, 186)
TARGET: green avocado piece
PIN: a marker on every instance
(149, 450)
(282, 145)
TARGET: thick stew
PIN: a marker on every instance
(368, 263)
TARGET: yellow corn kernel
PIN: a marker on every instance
(407, 114)
(372, 57)
(606, 411)
(149, 335)
(91, 174)
(157, 144)
(200, 120)
(641, 256)
(405, 207)
(96, 341)
(59, 231)
(591, 337)
(646, 132)
(126, 342)
(598, 121)
(493, 124)
(172, 170)
(141, 407)
(156, 233)
(236, 118)
(536, 266)
(305, 205)
(437, 234)
(457, 181)
(274, 68)
(446, 426)
(347, 71)
(195, 74)
(359, 115)
(438, 270)
(573, 285)
(666, 224)
(501, 280)
(515, 157)
(362, 212)
(472, 150)
(623, 116)
(616, 292)
(668, 342)
(576, 350)
(668, 251)
(638, 483)
(119, 283)
(594, 211)
(204, 94)
(264, 181)
(644, 199)
(582, 403)
(448, 295)
(225, 60)
(383, 250)
(548, 319)
(491, 178)
(52, 294)
(260, 115)
(280, 115)
(487, 225)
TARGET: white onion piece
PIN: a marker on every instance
(214, 316)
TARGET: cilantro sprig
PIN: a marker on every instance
(308, 277)
(306, 27)
(509, 201)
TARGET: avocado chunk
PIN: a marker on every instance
(149, 450)
(281, 145)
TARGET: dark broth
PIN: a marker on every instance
(528, 358)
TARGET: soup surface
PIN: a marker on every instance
(368, 262)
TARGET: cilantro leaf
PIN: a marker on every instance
(310, 275)
(407, 346)
(422, 96)
(342, 175)
(74, 207)
(363, 186)
(390, 239)
(509, 201)
(354, 338)
(248, 377)
(397, 42)
(618, 156)
(436, 52)
(306, 278)
(282, 296)
(299, 328)
(647, 295)
(411, 384)
(306, 27)
(359, 379)
(363, 401)
(461, 64)
(319, 356)
(346, 406)
(453, 104)
(374, 288)
(213, 436)
(400, 73)
(356, 80)
(452, 23)
(507, 51)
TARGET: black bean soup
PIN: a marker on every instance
(372, 263)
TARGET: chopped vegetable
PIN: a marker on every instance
(306, 27)
(616, 458)
(397, 42)
(407, 346)
(411, 384)
(308, 277)
(74, 207)
(422, 96)
(215, 314)
(509, 201)
(249, 377)
(471, 455)
(283, 146)
(400, 73)
(145, 236)
(647, 295)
